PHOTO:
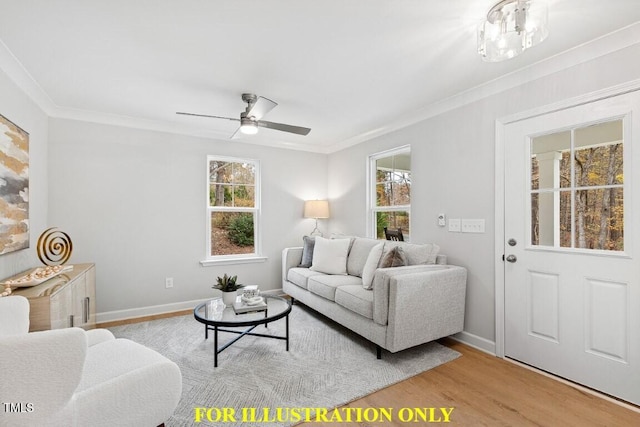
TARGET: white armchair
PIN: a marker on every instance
(72, 377)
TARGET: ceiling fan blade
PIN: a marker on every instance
(261, 107)
(285, 128)
(208, 116)
(237, 134)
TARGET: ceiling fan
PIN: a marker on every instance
(257, 106)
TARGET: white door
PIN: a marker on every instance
(572, 246)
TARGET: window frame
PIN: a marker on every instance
(372, 209)
(256, 256)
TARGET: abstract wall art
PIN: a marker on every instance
(14, 187)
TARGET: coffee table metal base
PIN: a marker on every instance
(248, 331)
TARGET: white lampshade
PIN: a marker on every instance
(316, 209)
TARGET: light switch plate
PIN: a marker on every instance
(473, 225)
(454, 225)
(442, 221)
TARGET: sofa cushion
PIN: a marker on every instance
(330, 255)
(356, 299)
(308, 243)
(325, 285)
(299, 276)
(371, 265)
(358, 255)
(416, 254)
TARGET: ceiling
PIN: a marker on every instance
(348, 69)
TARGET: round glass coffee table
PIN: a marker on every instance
(216, 316)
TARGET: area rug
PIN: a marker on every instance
(326, 366)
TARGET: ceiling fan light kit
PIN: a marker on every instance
(248, 126)
(257, 106)
(511, 27)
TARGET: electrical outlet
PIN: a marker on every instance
(454, 225)
(473, 225)
(168, 282)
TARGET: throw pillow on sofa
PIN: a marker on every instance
(371, 265)
(307, 251)
(394, 258)
(330, 255)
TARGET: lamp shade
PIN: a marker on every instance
(316, 209)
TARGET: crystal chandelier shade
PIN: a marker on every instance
(511, 27)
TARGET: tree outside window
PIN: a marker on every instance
(577, 188)
(391, 191)
(232, 207)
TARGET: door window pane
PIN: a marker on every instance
(599, 219)
(565, 220)
(577, 188)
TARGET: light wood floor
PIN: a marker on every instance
(487, 391)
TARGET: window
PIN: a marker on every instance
(233, 208)
(390, 192)
(577, 188)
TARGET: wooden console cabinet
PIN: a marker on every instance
(66, 300)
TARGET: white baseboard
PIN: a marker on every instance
(132, 313)
(476, 342)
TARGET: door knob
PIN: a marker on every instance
(511, 258)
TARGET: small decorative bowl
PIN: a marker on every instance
(250, 293)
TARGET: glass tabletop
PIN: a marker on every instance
(214, 312)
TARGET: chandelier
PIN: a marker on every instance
(511, 27)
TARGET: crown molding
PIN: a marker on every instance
(609, 43)
(21, 77)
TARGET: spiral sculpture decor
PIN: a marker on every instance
(54, 247)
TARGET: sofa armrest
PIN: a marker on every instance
(381, 282)
(424, 306)
(291, 257)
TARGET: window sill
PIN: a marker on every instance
(233, 260)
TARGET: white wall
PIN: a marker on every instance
(17, 107)
(453, 163)
(133, 201)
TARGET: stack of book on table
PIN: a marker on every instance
(241, 307)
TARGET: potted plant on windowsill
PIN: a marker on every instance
(229, 287)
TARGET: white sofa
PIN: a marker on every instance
(407, 306)
(71, 377)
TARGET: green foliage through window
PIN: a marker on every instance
(232, 206)
(241, 229)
